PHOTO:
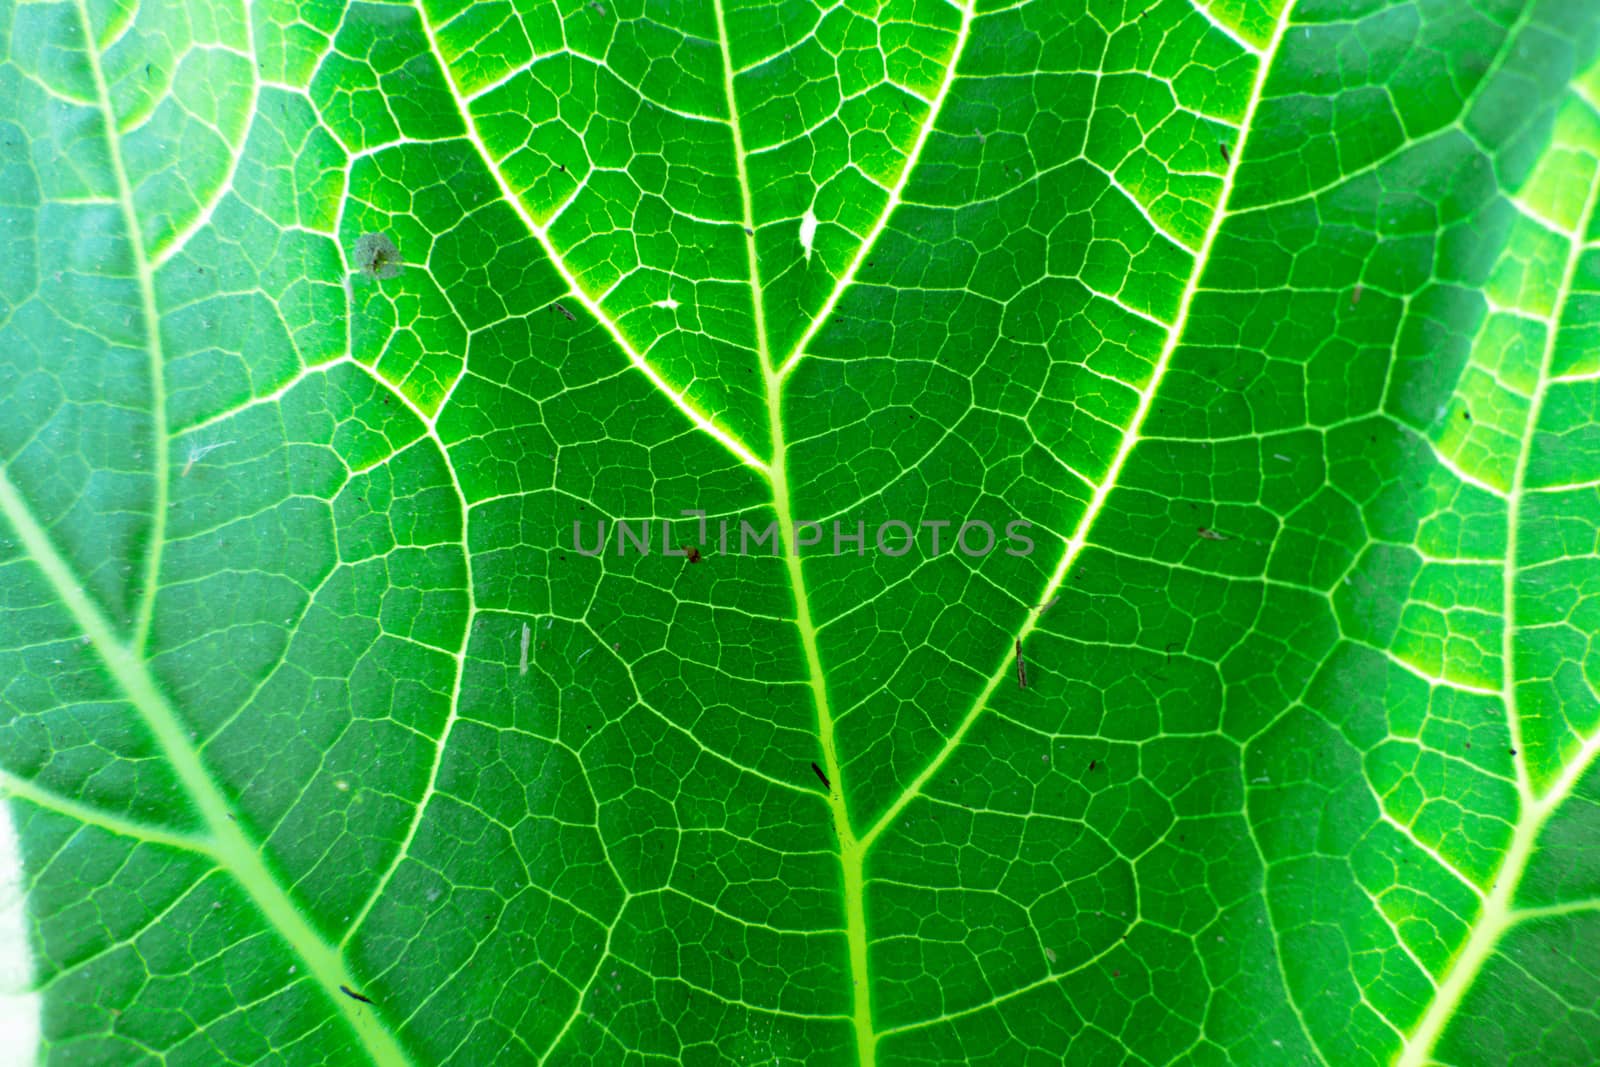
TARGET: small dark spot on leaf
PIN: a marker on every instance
(1209, 534)
(569, 316)
(1227, 156)
(694, 555)
(822, 777)
(353, 995)
(377, 256)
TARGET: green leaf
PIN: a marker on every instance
(328, 334)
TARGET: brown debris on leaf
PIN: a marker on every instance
(377, 257)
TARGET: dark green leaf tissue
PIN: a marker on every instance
(872, 533)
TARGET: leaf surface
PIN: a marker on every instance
(329, 333)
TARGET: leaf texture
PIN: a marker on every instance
(329, 332)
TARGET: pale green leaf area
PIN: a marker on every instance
(322, 324)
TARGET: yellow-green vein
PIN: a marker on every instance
(848, 278)
(541, 234)
(145, 280)
(850, 860)
(460, 657)
(1080, 534)
(1498, 914)
(234, 852)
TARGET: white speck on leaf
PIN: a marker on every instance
(808, 231)
(199, 452)
(669, 303)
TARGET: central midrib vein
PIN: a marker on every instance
(852, 855)
(850, 852)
